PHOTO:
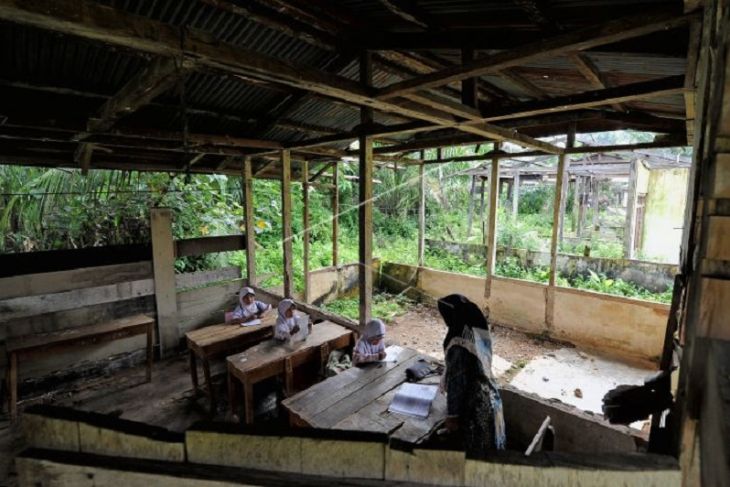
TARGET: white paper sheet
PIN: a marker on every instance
(252, 322)
(413, 399)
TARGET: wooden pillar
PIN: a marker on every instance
(492, 221)
(421, 214)
(576, 204)
(630, 227)
(286, 221)
(365, 213)
(470, 210)
(469, 85)
(516, 195)
(248, 216)
(559, 206)
(482, 223)
(335, 212)
(163, 264)
(581, 205)
(305, 225)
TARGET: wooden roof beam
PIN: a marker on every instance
(672, 85)
(409, 11)
(96, 22)
(579, 40)
(590, 71)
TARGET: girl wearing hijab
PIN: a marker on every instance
(248, 307)
(473, 401)
(286, 323)
(371, 345)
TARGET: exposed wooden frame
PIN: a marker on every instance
(248, 219)
(335, 214)
(305, 225)
(561, 180)
(113, 26)
(421, 215)
(579, 40)
(491, 237)
(630, 225)
(286, 219)
(408, 11)
(365, 201)
(590, 71)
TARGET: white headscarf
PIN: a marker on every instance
(245, 291)
(284, 325)
(374, 328)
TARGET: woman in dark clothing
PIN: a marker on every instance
(473, 400)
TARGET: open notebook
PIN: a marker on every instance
(413, 399)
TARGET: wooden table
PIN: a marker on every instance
(45, 343)
(217, 341)
(358, 399)
(272, 358)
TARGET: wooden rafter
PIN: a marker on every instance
(591, 72)
(409, 11)
(610, 32)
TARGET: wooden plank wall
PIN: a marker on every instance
(50, 301)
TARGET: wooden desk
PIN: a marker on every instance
(44, 343)
(358, 399)
(216, 341)
(272, 358)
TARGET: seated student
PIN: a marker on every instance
(371, 345)
(286, 323)
(248, 308)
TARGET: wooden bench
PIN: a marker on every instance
(210, 342)
(43, 343)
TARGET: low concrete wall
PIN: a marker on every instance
(612, 325)
(329, 283)
(654, 276)
(127, 453)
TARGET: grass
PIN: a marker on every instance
(385, 306)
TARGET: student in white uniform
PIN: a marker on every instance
(286, 323)
(248, 307)
(371, 345)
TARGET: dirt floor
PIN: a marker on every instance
(423, 329)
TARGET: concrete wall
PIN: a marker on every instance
(654, 276)
(664, 214)
(223, 454)
(329, 283)
(615, 326)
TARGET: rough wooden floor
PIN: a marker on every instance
(168, 401)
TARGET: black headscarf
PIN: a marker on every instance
(458, 312)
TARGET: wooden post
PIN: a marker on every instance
(492, 222)
(576, 204)
(470, 210)
(163, 264)
(421, 215)
(559, 206)
(365, 213)
(515, 195)
(581, 206)
(305, 231)
(335, 212)
(482, 191)
(248, 215)
(286, 220)
(630, 227)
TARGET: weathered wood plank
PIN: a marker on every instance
(305, 231)
(335, 214)
(491, 237)
(286, 237)
(163, 263)
(53, 282)
(422, 215)
(365, 200)
(248, 219)
(209, 245)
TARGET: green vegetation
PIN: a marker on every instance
(45, 209)
(386, 306)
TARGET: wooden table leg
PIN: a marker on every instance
(194, 371)
(13, 385)
(209, 385)
(248, 402)
(288, 376)
(232, 400)
(150, 351)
